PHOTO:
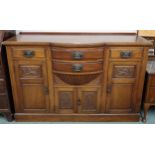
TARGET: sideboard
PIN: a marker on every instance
(77, 77)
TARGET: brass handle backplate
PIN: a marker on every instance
(126, 54)
(28, 54)
(77, 55)
(77, 67)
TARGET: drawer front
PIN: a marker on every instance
(126, 53)
(77, 67)
(26, 52)
(77, 53)
(152, 80)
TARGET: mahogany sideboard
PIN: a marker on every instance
(6, 101)
(77, 77)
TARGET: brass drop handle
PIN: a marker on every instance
(77, 55)
(126, 54)
(77, 67)
(28, 54)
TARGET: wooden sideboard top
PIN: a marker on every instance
(67, 39)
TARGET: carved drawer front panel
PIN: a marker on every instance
(65, 100)
(126, 52)
(28, 52)
(124, 71)
(77, 53)
(88, 100)
(30, 71)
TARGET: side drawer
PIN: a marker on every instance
(28, 52)
(126, 53)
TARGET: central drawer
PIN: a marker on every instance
(77, 67)
(77, 53)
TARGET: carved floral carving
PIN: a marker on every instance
(89, 100)
(123, 71)
(65, 100)
(30, 71)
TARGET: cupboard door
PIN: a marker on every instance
(122, 87)
(32, 86)
(65, 100)
(88, 100)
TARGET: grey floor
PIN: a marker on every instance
(150, 120)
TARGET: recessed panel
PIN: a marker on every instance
(33, 71)
(120, 71)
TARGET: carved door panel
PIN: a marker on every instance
(122, 87)
(65, 100)
(88, 100)
(32, 86)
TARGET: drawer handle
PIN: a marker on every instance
(77, 67)
(77, 55)
(28, 54)
(126, 54)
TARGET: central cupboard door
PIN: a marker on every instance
(77, 100)
(32, 86)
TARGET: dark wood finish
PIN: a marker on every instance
(6, 102)
(149, 93)
(108, 86)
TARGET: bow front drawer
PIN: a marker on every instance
(77, 67)
(28, 52)
(126, 53)
(77, 53)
